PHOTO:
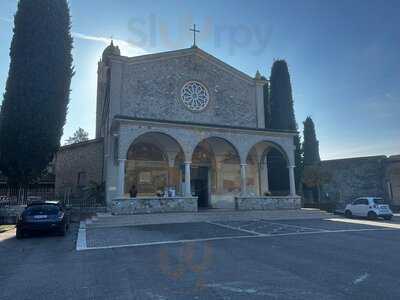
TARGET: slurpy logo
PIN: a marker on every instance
(192, 261)
(152, 31)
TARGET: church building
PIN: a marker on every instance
(182, 131)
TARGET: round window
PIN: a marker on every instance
(194, 96)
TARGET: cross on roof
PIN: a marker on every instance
(194, 34)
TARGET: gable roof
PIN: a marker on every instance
(182, 53)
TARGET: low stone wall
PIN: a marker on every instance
(9, 214)
(267, 203)
(147, 205)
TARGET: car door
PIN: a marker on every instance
(355, 207)
(363, 207)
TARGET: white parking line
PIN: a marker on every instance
(366, 222)
(234, 228)
(81, 240)
(231, 238)
(294, 226)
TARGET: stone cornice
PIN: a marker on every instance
(205, 126)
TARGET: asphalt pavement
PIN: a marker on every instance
(251, 259)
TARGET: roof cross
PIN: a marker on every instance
(194, 34)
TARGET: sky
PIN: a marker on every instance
(343, 57)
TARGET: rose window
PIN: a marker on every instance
(195, 96)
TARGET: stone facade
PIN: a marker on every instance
(151, 88)
(153, 205)
(267, 203)
(139, 101)
(77, 165)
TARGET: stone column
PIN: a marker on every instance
(292, 181)
(266, 180)
(243, 183)
(188, 192)
(121, 177)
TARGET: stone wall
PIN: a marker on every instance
(129, 206)
(355, 177)
(152, 89)
(393, 179)
(82, 159)
(267, 203)
(9, 214)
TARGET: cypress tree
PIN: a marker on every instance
(310, 144)
(281, 100)
(37, 89)
(298, 159)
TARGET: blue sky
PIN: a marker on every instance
(343, 56)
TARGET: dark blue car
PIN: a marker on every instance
(43, 216)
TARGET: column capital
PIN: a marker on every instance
(243, 165)
(187, 162)
(122, 159)
(291, 167)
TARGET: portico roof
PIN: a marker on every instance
(119, 118)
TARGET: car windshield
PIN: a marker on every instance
(42, 210)
(379, 201)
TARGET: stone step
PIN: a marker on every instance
(107, 220)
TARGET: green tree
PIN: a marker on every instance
(310, 143)
(280, 97)
(80, 135)
(298, 158)
(279, 109)
(37, 89)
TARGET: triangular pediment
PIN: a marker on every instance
(193, 51)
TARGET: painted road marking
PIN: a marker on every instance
(235, 228)
(230, 238)
(81, 240)
(366, 222)
(294, 226)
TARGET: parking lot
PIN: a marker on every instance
(331, 258)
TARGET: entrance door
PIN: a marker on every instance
(199, 185)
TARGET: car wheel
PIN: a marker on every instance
(348, 214)
(387, 218)
(372, 215)
(19, 234)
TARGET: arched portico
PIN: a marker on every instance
(215, 172)
(269, 171)
(153, 165)
(226, 165)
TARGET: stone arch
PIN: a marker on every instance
(225, 140)
(153, 164)
(266, 146)
(215, 172)
(267, 169)
(165, 139)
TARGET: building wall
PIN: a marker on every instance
(356, 177)
(393, 179)
(82, 159)
(152, 89)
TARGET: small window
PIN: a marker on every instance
(82, 178)
(379, 201)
